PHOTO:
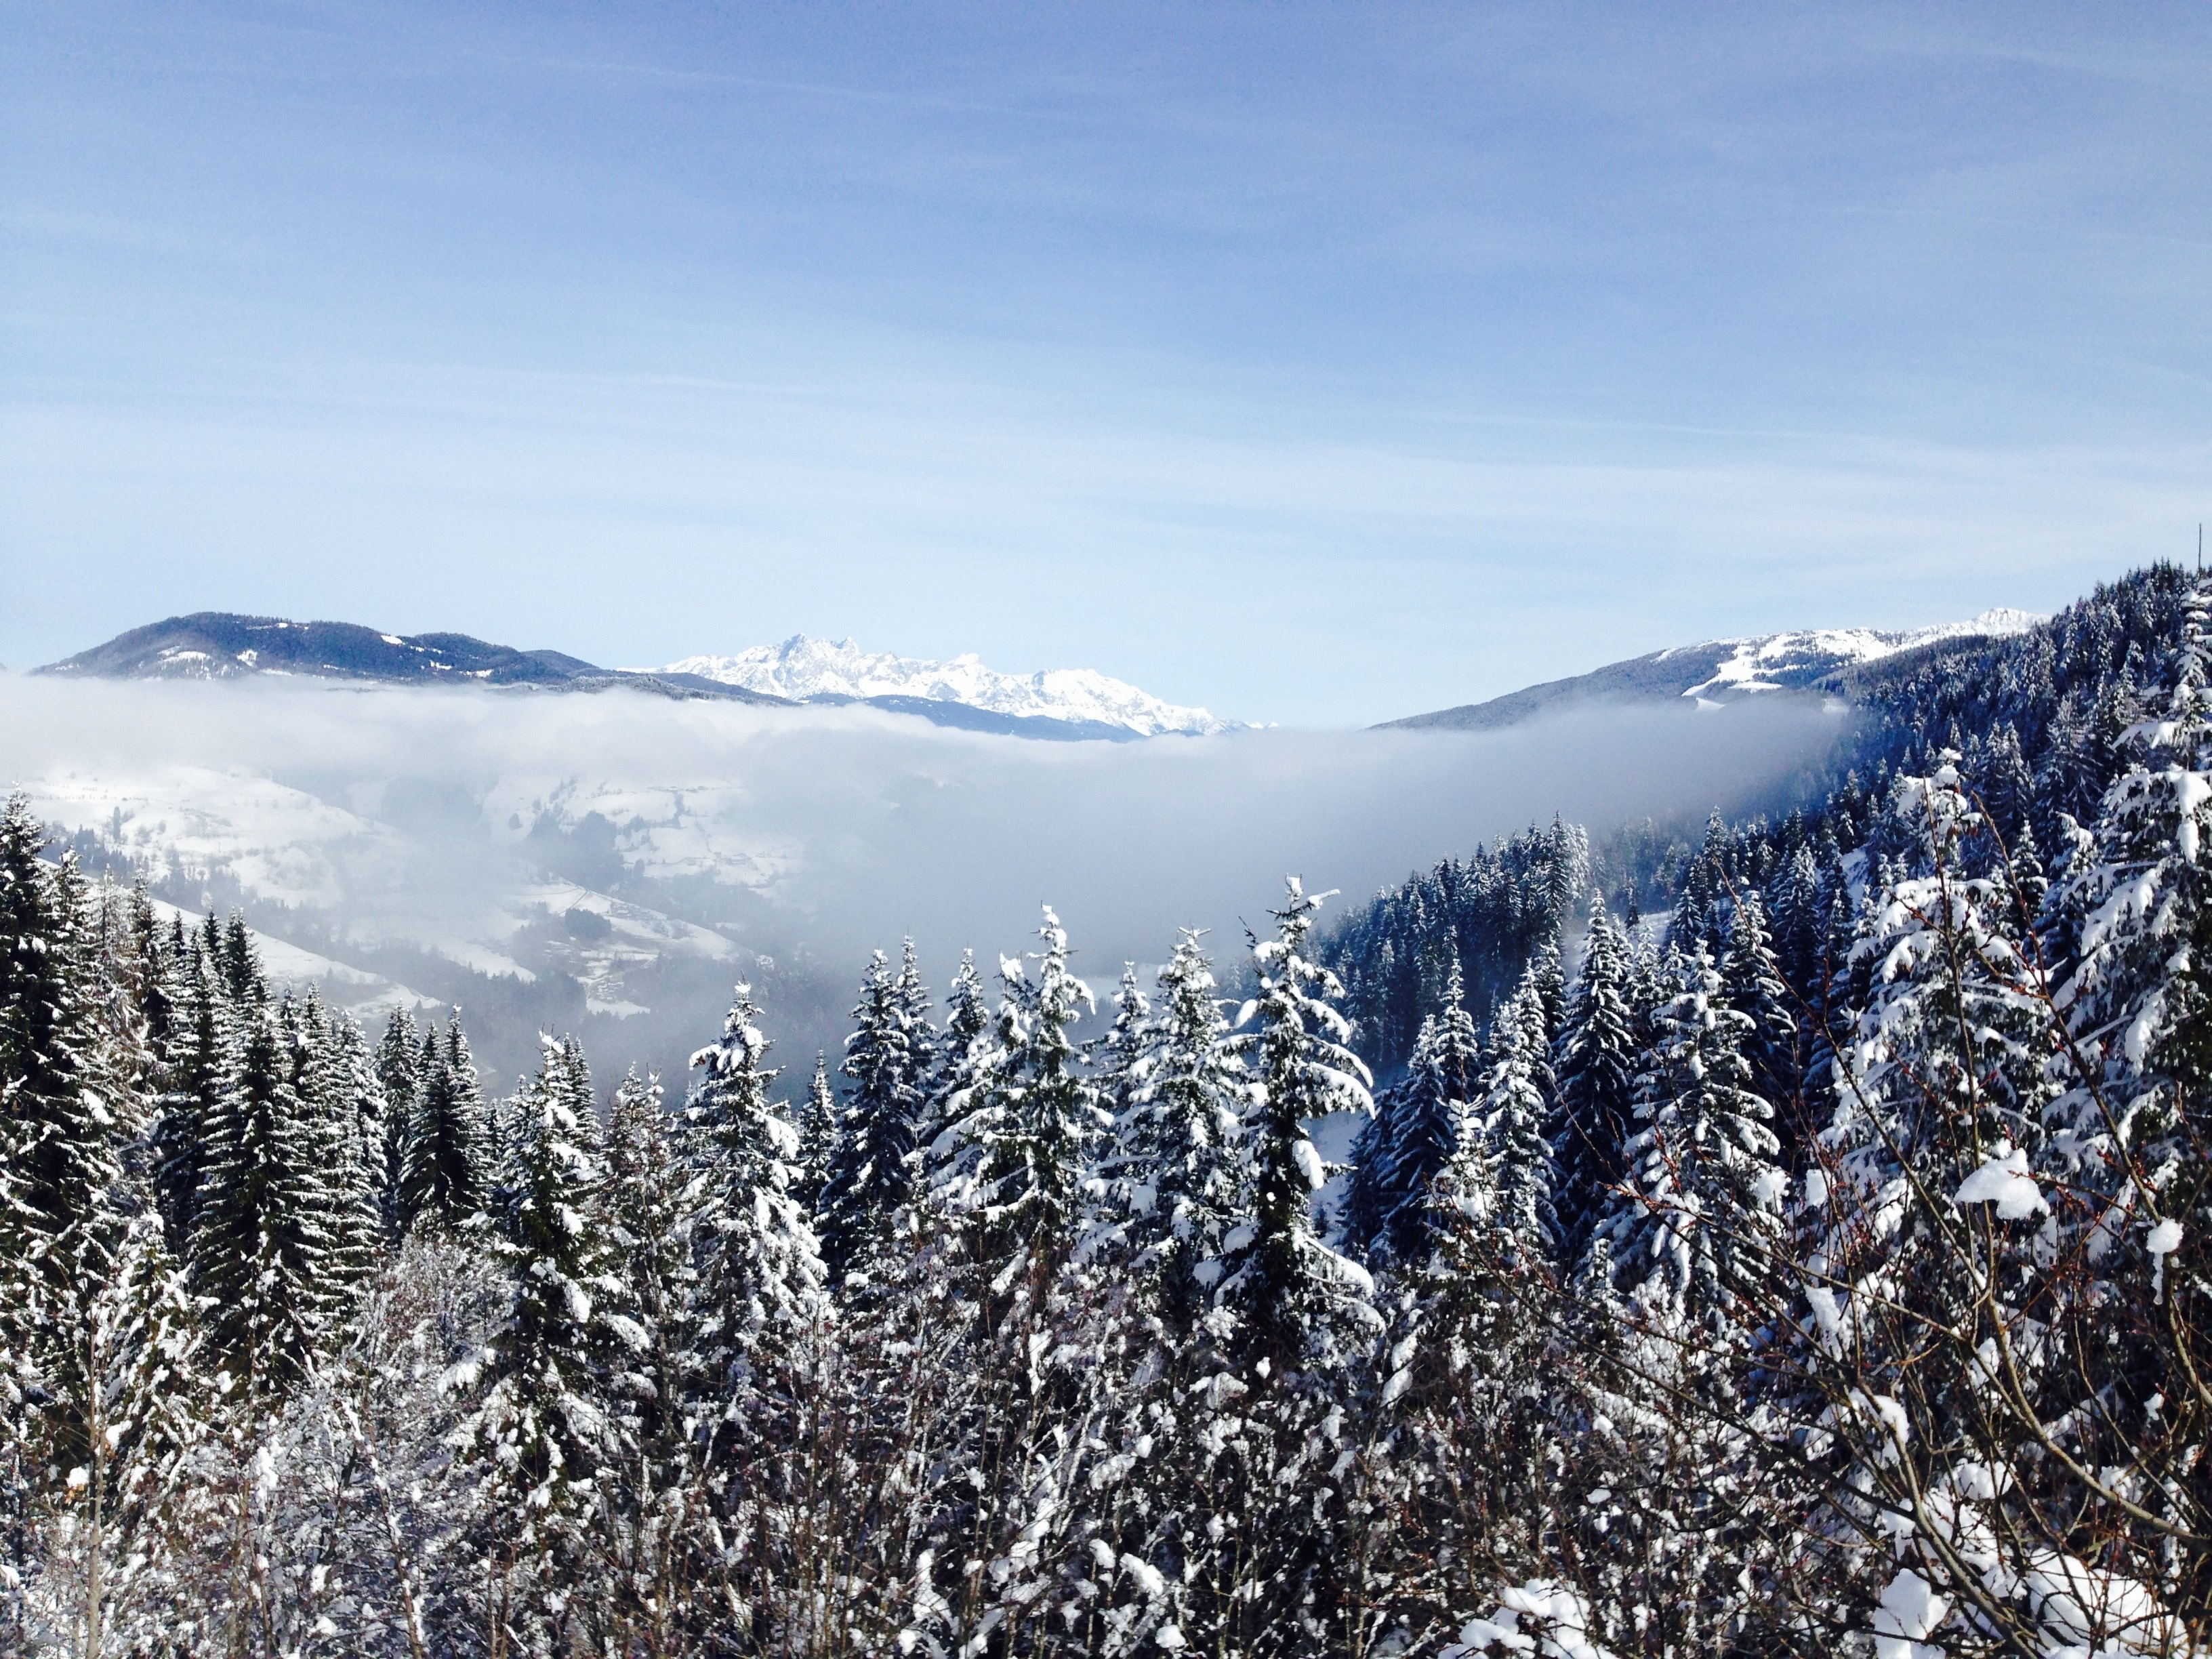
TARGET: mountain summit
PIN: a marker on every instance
(222, 645)
(1718, 670)
(813, 671)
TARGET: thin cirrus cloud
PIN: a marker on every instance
(1210, 350)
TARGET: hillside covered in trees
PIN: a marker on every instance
(1789, 1241)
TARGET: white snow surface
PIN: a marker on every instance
(800, 668)
(1759, 663)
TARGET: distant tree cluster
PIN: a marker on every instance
(1814, 1267)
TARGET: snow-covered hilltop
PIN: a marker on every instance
(1719, 671)
(805, 670)
(1771, 662)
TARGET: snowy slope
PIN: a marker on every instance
(1718, 670)
(1771, 662)
(803, 669)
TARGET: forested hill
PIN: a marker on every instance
(1828, 1270)
(2037, 719)
(222, 645)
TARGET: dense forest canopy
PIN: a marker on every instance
(1786, 1239)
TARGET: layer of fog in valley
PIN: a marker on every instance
(611, 864)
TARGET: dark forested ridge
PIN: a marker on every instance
(218, 645)
(1785, 1237)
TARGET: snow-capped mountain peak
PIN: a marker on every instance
(802, 669)
(1770, 662)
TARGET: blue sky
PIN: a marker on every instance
(1316, 363)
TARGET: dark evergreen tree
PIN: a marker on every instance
(543, 1430)
(398, 1074)
(869, 1174)
(1512, 1115)
(1417, 1128)
(1595, 1064)
(263, 1250)
(1695, 1233)
(1752, 979)
(62, 1129)
(448, 1158)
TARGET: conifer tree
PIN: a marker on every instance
(334, 1075)
(61, 1131)
(1695, 1236)
(1594, 1063)
(541, 1430)
(1751, 977)
(447, 1161)
(1118, 1059)
(869, 1173)
(962, 1059)
(1289, 1287)
(202, 1057)
(1512, 1116)
(647, 1212)
(1176, 1138)
(399, 1072)
(818, 1131)
(1035, 1115)
(1416, 1129)
(2141, 994)
(262, 1249)
(757, 1268)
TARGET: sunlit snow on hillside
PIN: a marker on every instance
(801, 668)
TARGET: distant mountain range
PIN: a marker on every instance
(805, 670)
(1718, 671)
(1062, 704)
(221, 644)
(1067, 704)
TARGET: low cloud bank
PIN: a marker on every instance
(836, 829)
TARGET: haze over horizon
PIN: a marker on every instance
(1308, 366)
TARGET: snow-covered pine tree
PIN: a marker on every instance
(1175, 1139)
(869, 1176)
(1417, 1128)
(398, 1074)
(758, 1273)
(1115, 1179)
(1117, 1058)
(2140, 996)
(1797, 917)
(1751, 976)
(335, 1074)
(944, 1161)
(61, 1134)
(1291, 1292)
(263, 1250)
(1594, 1063)
(817, 1127)
(132, 1506)
(1512, 1118)
(648, 1211)
(913, 997)
(1362, 1219)
(541, 1428)
(447, 1161)
(1033, 1117)
(199, 1058)
(1695, 1236)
